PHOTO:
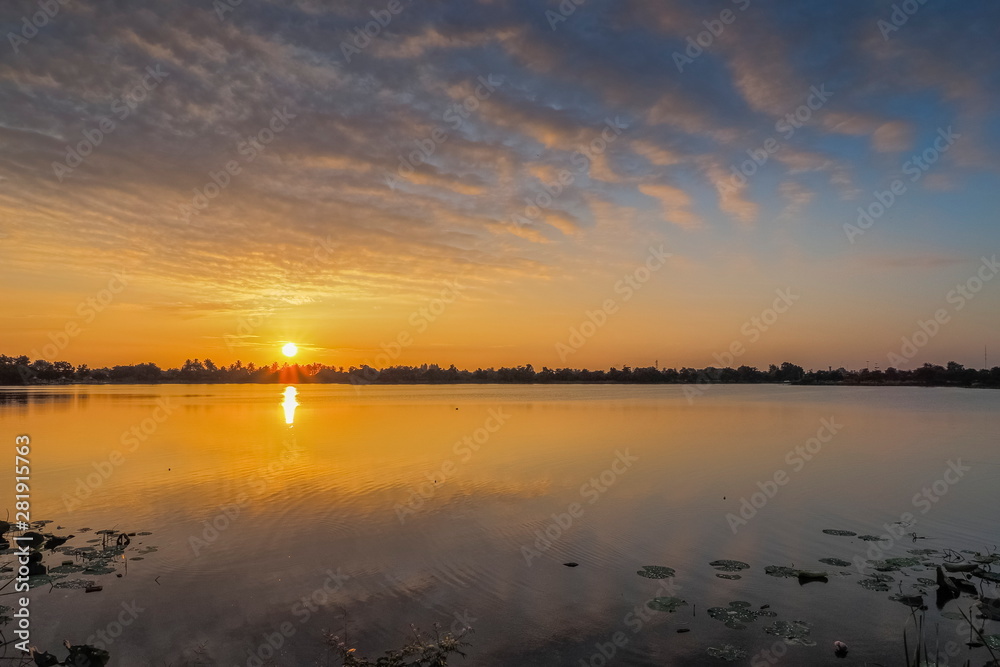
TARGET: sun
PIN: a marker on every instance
(290, 349)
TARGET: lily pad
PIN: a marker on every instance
(993, 641)
(874, 584)
(728, 576)
(895, 564)
(988, 576)
(793, 632)
(727, 652)
(916, 601)
(737, 614)
(780, 571)
(66, 568)
(73, 583)
(729, 565)
(666, 604)
(870, 538)
(656, 572)
(835, 562)
(841, 533)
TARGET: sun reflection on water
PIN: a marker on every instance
(289, 404)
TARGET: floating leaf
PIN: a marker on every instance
(806, 576)
(874, 584)
(727, 652)
(656, 572)
(666, 604)
(737, 614)
(729, 565)
(728, 576)
(87, 655)
(794, 632)
(841, 533)
(953, 615)
(894, 564)
(993, 641)
(836, 562)
(781, 571)
(870, 538)
(909, 600)
(73, 583)
(922, 552)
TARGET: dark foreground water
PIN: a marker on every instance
(371, 510)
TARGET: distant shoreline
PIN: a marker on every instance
(21, 371)
(488, 383)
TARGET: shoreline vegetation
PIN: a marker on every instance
(22, 371)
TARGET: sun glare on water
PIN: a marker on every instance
(290, 349)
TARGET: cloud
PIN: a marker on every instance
(674, 202)
(796, 195)
(893, 137)
(376, 158)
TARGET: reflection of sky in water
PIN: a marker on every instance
(289, 404)
(326, 496)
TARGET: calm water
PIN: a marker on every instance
(392, 506)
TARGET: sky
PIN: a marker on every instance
(500, 182)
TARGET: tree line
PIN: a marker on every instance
(23, 371)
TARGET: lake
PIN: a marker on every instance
(279, 513)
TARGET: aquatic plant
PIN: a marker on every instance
(421, 651)
(666, 604)
(656, 572)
